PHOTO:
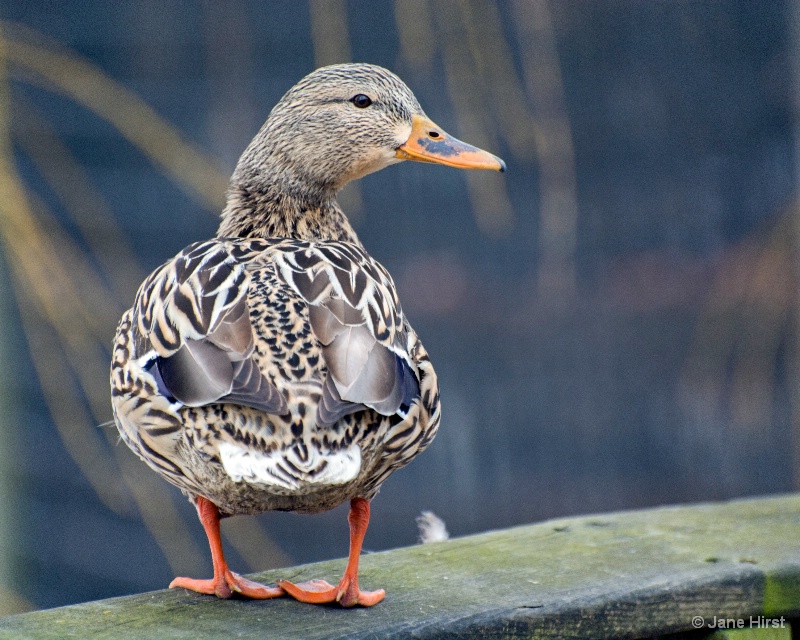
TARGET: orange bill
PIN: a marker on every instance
(429, 143)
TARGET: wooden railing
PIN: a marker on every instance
(725, 570)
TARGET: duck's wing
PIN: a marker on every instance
(354, 312)
(193, 328)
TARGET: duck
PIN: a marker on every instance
(272, 368)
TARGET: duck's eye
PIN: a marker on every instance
(361, 101)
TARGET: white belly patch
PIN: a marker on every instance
(286, 469)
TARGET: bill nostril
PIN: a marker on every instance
(434, 135)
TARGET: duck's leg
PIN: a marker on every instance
(346, 593)
(225, 582)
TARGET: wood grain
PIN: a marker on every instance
(637, 574)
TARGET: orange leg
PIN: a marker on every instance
(224, 583)
(346, 593)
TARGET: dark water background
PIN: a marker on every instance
(613, 320)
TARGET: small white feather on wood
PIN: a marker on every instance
(431, 528)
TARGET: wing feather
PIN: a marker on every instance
(193, 313)
(355, 315)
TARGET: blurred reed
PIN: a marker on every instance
(69, 298)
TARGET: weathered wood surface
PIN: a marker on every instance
(627, 575)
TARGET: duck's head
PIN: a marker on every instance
(342, 122)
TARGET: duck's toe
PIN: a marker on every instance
(346, 593)
(227, 585)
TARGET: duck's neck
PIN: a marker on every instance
(260, 209)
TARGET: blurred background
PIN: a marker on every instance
(614, 320)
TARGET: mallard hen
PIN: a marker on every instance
(272, 368)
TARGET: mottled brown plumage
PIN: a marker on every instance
(273, 368)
